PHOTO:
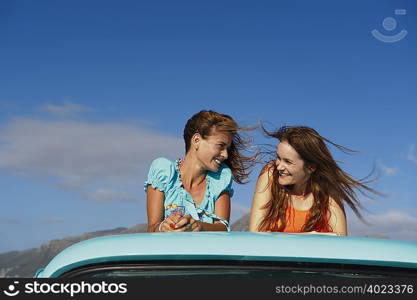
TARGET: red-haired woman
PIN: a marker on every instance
(303, 189)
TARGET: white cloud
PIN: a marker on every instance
(107, 195)
(66, 110)
(83, 155)
(396, 225)
(411, 155)
(389, 171)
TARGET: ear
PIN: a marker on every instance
(195, 141)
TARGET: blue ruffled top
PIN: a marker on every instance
(164, 175)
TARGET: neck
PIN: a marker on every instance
(299, 190)
(192, 174)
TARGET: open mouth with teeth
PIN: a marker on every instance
(218, 161)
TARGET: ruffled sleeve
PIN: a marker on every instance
(160, 173)
(229, 181)
(221, 181)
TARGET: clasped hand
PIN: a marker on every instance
(177, 223)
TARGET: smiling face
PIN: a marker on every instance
(212, 151)
(291, 167)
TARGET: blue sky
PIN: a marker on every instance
(92, 91)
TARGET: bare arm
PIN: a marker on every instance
(155, 208)
(222, 210)
(337, 218)
(261, 196)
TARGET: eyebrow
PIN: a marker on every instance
(223, 142)
(287, 159)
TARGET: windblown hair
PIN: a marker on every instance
(327, 181)
(208, 122)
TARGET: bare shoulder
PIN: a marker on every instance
(337, 217)
(261, 197)
(263, 191)
(335, 206)
(265, 177)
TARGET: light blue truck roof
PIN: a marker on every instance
(234, 246)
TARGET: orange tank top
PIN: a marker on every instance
(295, 219)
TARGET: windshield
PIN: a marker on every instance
(238, 269)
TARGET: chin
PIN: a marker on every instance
(282, 181)
(285, 182)
(213, 168)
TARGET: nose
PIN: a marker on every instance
(280, 165)
(224, 153)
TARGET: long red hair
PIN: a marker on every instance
(327, 181)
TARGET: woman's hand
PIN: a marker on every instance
(169, 223)
(177, 223)
(186, 223)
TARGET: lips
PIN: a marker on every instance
(218, 161)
